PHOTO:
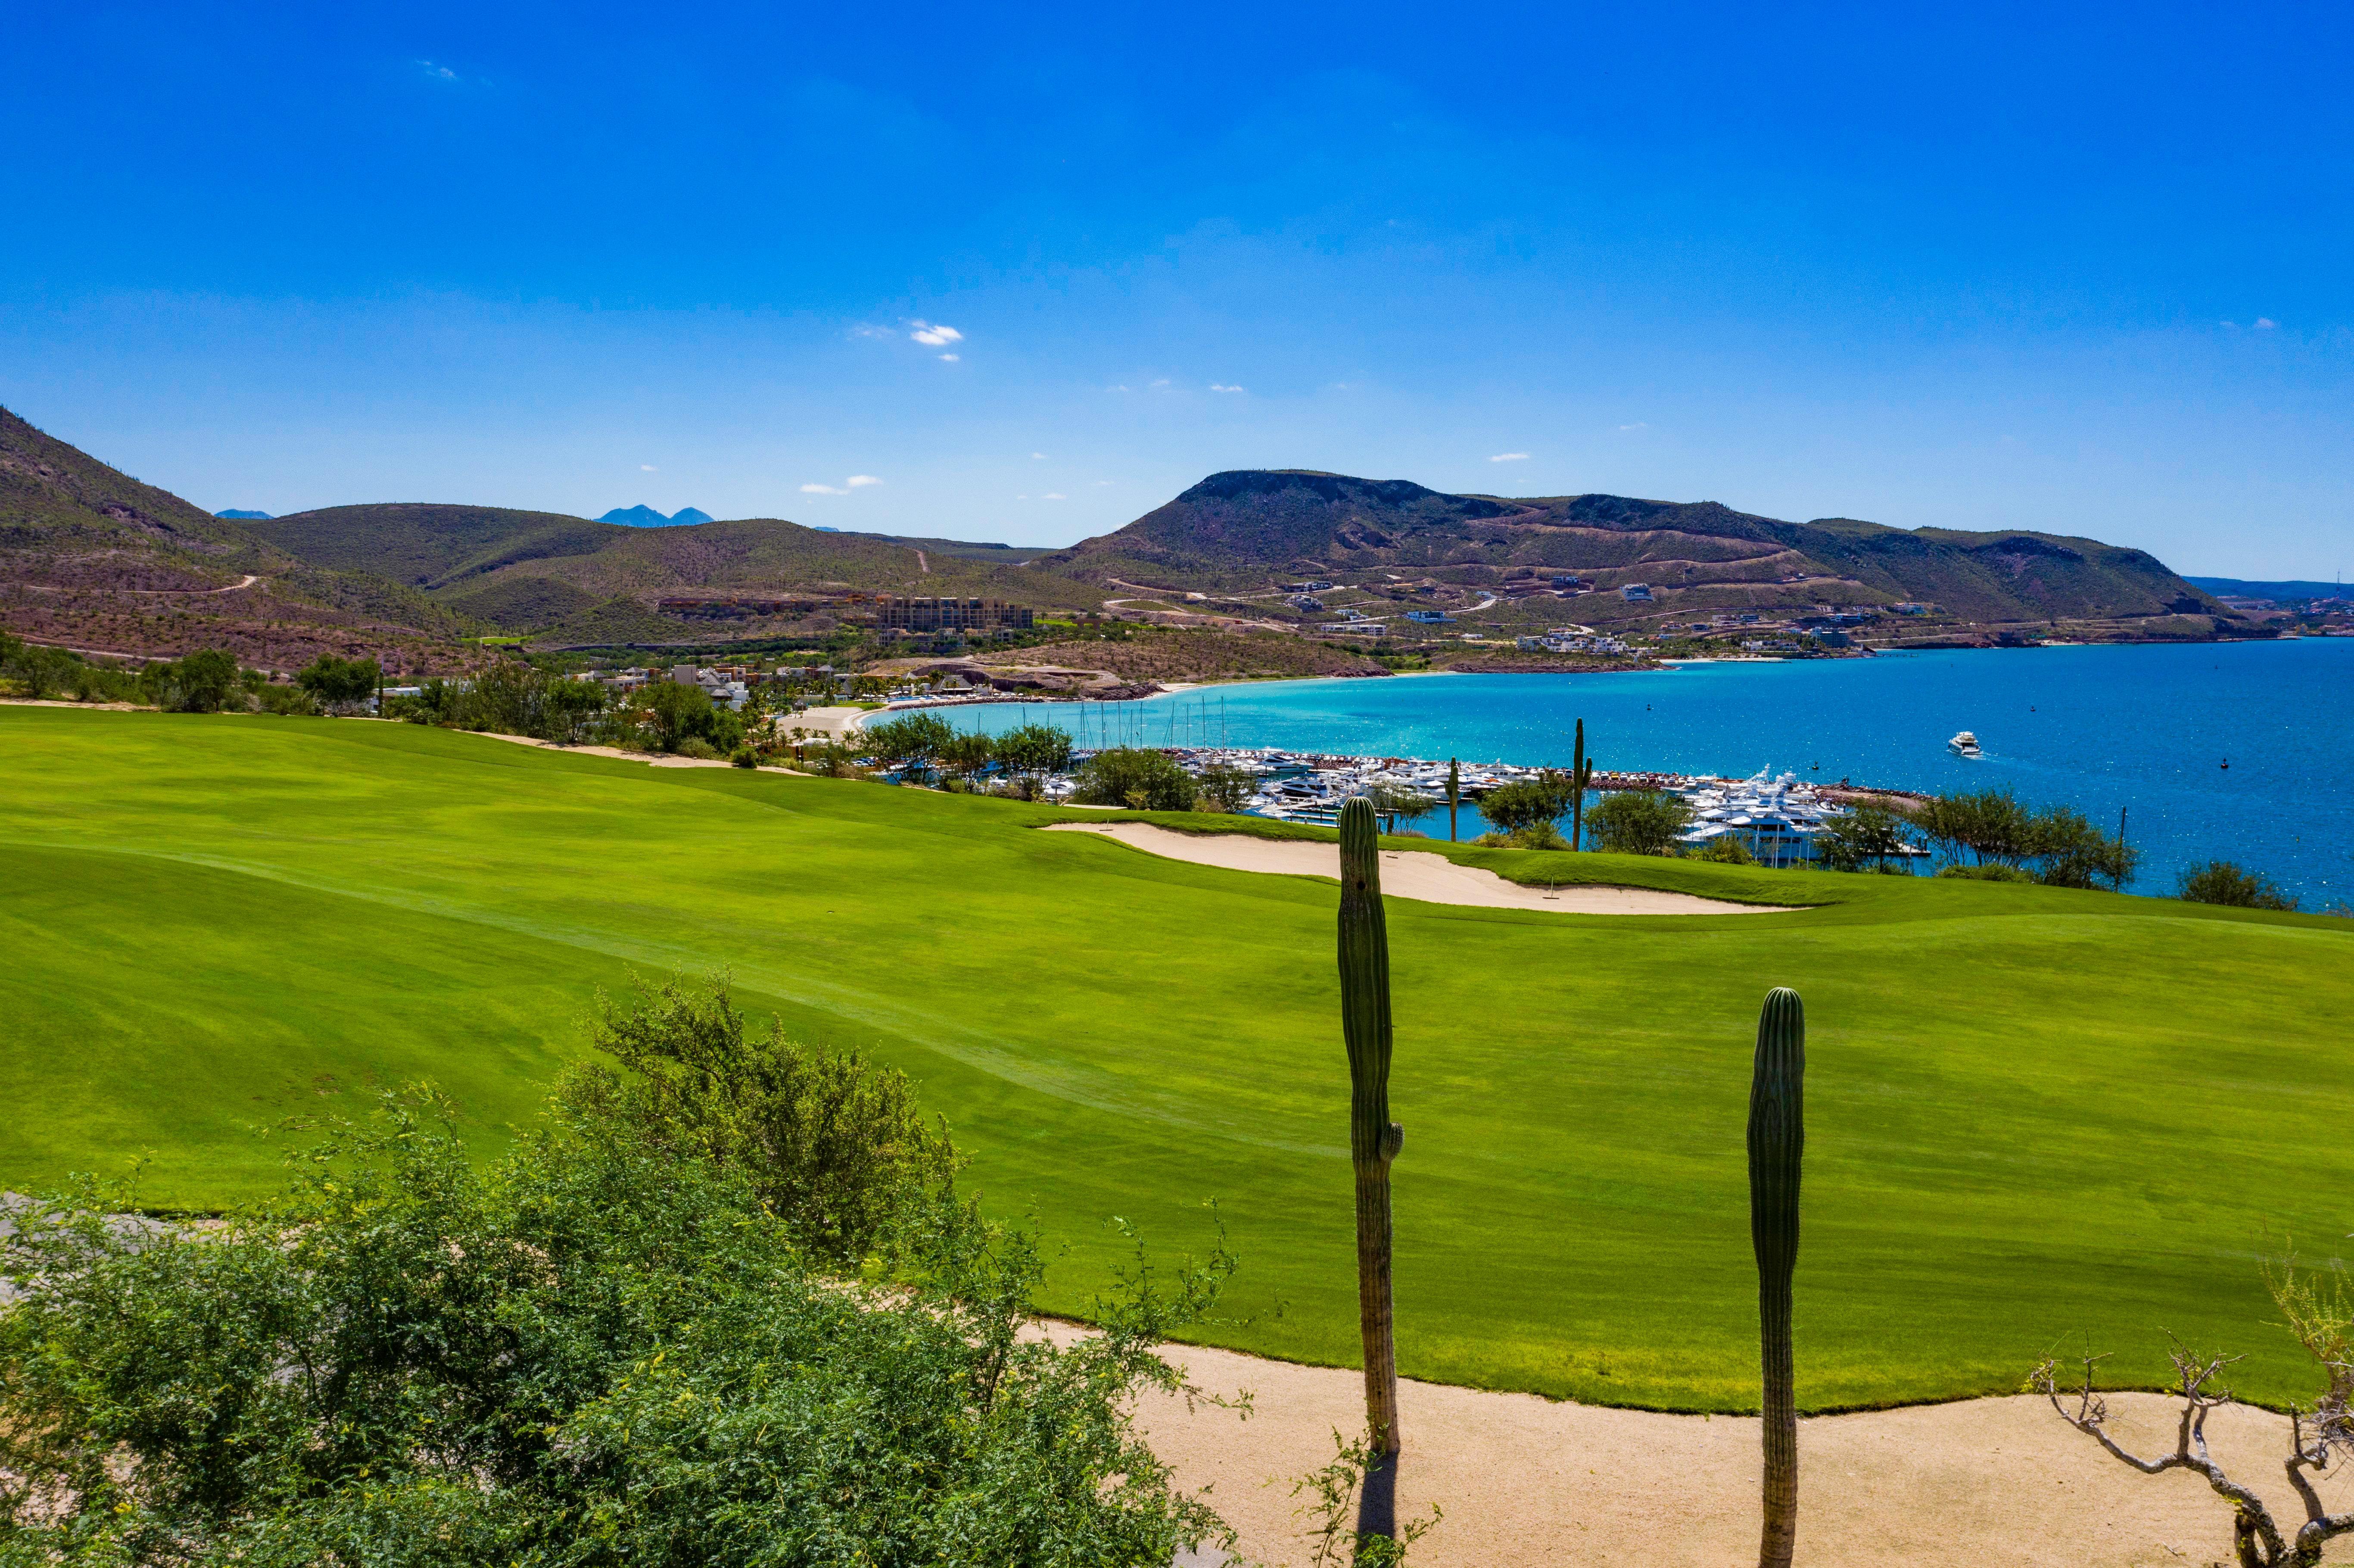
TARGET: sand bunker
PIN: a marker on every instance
(1525, 1481)
(1430, 878)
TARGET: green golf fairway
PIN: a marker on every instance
(2032, 1114)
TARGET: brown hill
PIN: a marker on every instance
(1245, 530)
(92, 559)
(572, 581)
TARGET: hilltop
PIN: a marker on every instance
(1237, 532)
(92, 559)
(571, 581)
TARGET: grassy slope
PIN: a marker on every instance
(2032, 1112)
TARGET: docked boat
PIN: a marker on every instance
(1964, 744)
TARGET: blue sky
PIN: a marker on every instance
(1033, 271)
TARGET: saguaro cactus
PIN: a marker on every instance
(1455, 798)
(1581, 774)
(1373, 1138)
(1777, 1140)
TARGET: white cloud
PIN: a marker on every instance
(1220, 387)
(1053, 497)
(646, 468)
(1637, 425)
(821, 489)
(1102, 481)
(938, 336)
(1118, 389)
(1162, 382)
(2227, 324)
(860, 481)
(437, 73)
(2265, 324)
(1038, 457)
(952, 358)
(1510, 457)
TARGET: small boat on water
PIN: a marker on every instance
(1964, 744)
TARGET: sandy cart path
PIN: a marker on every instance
(1405, 873)
(1985, 1483)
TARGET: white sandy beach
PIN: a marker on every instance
(1405, 873)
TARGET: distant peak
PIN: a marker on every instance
(245, 516)
(687, 515)
(644, 516)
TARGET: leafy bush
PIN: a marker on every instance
(203, 683)
(1033, 751)
(590, 1352)
(1636, 822)
(966, 756)
(284, 700)
(834, 1147)
(1994, 871)
(1525, 803)
(744, 756)
(340, 685)
(1726, 849)
(2221, 882)
(1225, 788)
(1136, 778)
(910, 741)
(1865, 837)
(694, 746)
(1996, 829)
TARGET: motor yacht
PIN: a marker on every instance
(1964, 744)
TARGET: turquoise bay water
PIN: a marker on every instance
(2098, 729)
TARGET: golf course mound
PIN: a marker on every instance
(2033, 1114)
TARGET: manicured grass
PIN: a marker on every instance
(2032, 1113)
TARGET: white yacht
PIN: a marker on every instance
(1964, 744)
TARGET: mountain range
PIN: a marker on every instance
(91, 558)
(644, 516)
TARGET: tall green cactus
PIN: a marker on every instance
(1373, 1138)
(1581, 774)
(1455, 798)
(1777, 1142)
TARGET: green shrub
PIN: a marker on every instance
(744, 756)
(1136, 778)
(834, 1146)
(910, 741)
(1636, 822)
(1726, 849)
(2221, 882)
(589, 1350)
(203, 683)
(340, 685)
(694, 746)
(276, 699)
(1543, 836)
(1524, 804)
(1866, 837)
(1033, 751)
(1994, 870)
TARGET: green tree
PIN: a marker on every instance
(1637, 821)
(1225, 788)
(2070, 851)
(1991, 825)
(1032, 752)
(1865, 836)
(967, 756)
(340, 685)
(573, 708)
(1523, 804)
(203, 683)
(675, 713)
(1136, 778)
(1390, 801)
(910, 741)
(2222, 882)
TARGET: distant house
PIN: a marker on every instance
(1427, 617)
(1636, 593)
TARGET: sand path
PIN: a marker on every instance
(1405, 873)
(1523, 1481)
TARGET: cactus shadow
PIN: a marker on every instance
(1377, 1501)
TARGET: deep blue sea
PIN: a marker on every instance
(2106, 727)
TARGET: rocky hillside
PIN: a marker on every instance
(1246, 531)
(92, 559)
